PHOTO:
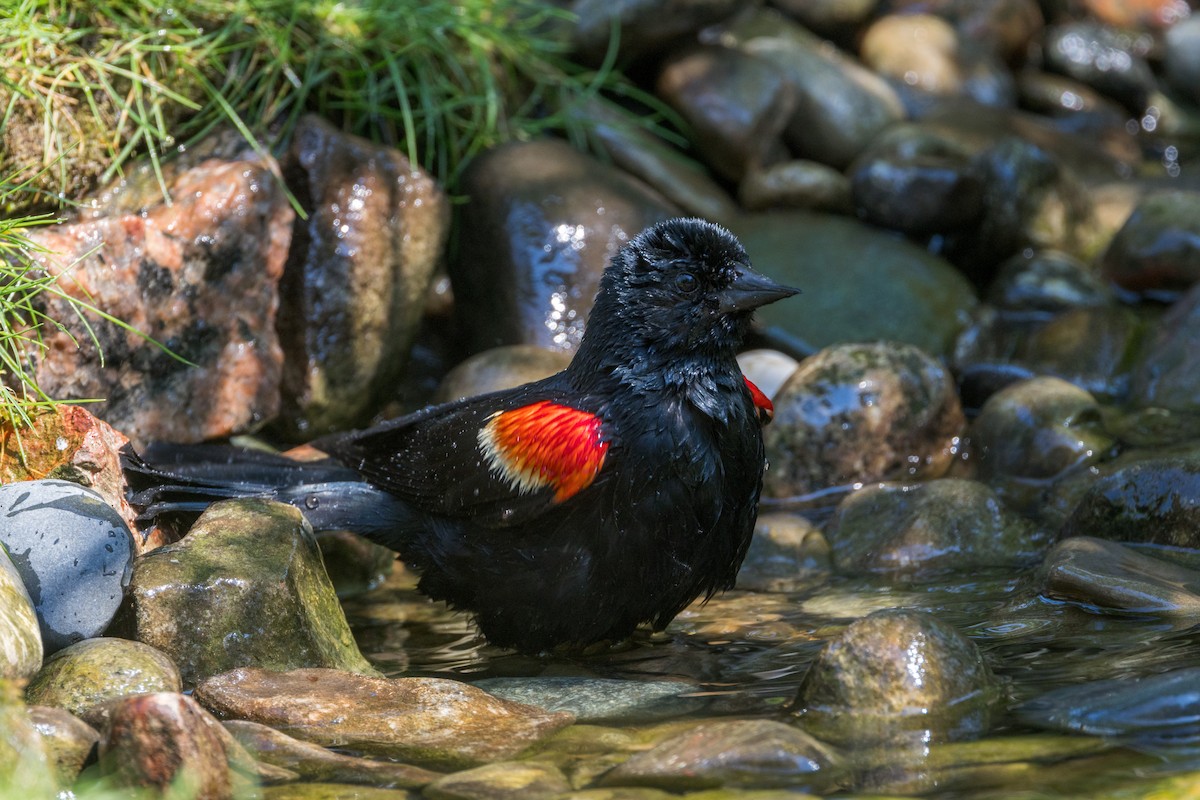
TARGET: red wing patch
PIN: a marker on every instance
(766, 409)
(544, 445)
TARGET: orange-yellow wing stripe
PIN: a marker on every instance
(542, 445)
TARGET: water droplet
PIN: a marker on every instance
(312, 502)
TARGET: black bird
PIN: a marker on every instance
(567, 511)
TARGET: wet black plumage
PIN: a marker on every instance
(562, 557)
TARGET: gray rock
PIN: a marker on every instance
(943, 524)
(787, 554)
(20, 638)
(800, 184)
(431, 722)
(1167, 372)
(356, 278)
(730, 753)
(599, 701)
(860, 284)
(507, 780)
(897, 676)
(74, 553)
(217, 599)
(735, 104)
(86, 677)
(840, 105)
(1108, 575)
(858, 413)
(1182, 58)
(1157, 250)
(543, 221)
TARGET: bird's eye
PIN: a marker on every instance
(686, 283)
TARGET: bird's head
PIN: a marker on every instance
(679, 290)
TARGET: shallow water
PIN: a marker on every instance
(748, 652)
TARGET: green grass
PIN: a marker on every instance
(97, 84)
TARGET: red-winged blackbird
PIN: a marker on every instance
(570, 510)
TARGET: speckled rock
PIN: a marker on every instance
(20, 639)
(357, 275)
(199, 275)
(69, 741)
(942, 524)
(730, 753)
(315, 763)
(735, 104)
(1103, 574)
(543, 223)
(154, 741)
(1157, 250)
(800, 184)
(500, 368)
(859, 283)
(430, 722)
(74, 553)
(859, 413)
(895, 676)
(787, 554)
(86, 676)
(599, 701)
(213, 600)
(507, 780)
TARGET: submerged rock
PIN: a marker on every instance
(74, 553)
(431, 722)
(897, 676)
(507, 780)
(245, 587)
(860, 413)
(788, 553)
(1108, 575)
(86, 677)
(599, 701)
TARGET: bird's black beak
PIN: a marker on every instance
(750, 290)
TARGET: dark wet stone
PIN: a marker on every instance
(1150, 707)
(1181, 58)
(767, 369)
(860, 284)
(156, 740)
(357, 275)
(543, 221)
(355, 565)
(942, 524)
(508, 780)
(315, 763)
(1157, 250)
(85, 677)
(20, 639)
(735, 104)
(1111, 62)
(1093, 348)
(646, 157)
(1108, 575)
(212, 600)
(67, 442)
(1036, 430)
(430, 722)
(500, 368)
(644, 26)
(1167, 373)
(894, 676)
(829, 17)
(200, 275)
(1046, 282)
(918, 193)
(1060, 96)
(861, 413)
(69, 741)
(73, 552)
(840, 105)
(787, 554)
(1142, 498)
(599, 701)
(800, 184)
(730, 753)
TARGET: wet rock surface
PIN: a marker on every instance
(73, 552)
(425, 721)
(1109, 575)
(20, 639)
(598, 701)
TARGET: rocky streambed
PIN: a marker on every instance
(976, 572)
